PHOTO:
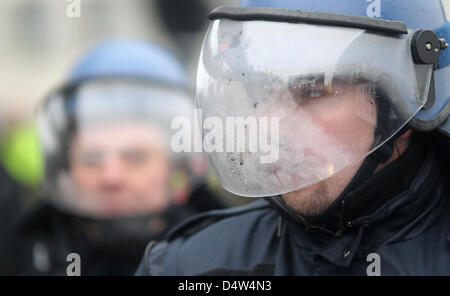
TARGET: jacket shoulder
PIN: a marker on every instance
(213, 240)
(200, 221)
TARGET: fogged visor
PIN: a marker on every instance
(286, 105)
(113, 102)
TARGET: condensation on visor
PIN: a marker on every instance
(326, 96)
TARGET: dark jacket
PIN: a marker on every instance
(399, 222)
(9, 198)
(37, 240)
(12, 202)
(41, 240)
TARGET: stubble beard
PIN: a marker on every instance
(315, 199)
(310, 201)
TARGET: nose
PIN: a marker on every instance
(112, 172)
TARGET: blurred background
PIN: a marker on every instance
(39, 42)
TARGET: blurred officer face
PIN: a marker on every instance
(107, 152)
(120, 169)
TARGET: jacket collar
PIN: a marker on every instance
(407, 213)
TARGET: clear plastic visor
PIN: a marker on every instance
(288, 105)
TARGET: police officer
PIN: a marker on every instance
(112, 181)
(358, 95)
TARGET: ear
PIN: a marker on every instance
(179, 187)
(180, 196)
(404, 140)
(406, 134)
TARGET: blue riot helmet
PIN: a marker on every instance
(417, 15)
(115, 110)
(315, 87)
(132, 59)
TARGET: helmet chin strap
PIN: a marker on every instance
(367, 169)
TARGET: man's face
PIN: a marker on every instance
(345, 115)
(120, 170)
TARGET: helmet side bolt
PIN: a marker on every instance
(426, 46)
(443, 43)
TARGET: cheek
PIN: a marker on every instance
(83, 178)
(152, 176)
(350, 124)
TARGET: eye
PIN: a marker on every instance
(89, 158)
(135, 157)
(306, 93)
